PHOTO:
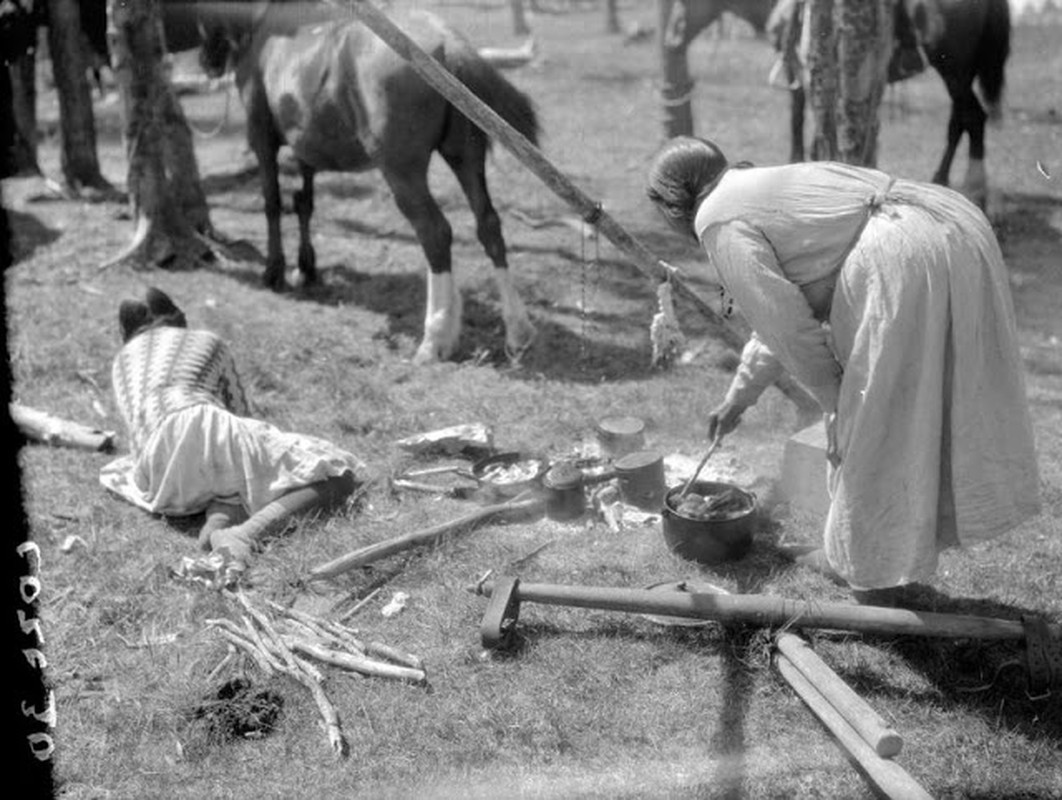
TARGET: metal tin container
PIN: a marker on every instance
(619, 436)
(641, 479)
(565, 494)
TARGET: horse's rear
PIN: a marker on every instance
(345, 101)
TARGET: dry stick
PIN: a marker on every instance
(439, 78)
(875, 731)
(358, 606)
(230, 654)
(332, 631)
(888, 777)
(236, 636)
(311, 623)
(269, 652)
(374, 552)
(397, 656)
(360, 664)
(310, 678)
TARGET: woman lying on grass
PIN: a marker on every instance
(888, 299)
(193, 447)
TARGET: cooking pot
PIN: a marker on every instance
(725, 537)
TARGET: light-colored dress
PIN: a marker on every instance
(190, 437)
(888, 300)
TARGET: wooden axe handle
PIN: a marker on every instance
(380, 550)
(765, 610)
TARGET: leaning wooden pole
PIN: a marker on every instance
(440, 79)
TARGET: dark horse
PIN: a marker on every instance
(964, 41)
(313, 78)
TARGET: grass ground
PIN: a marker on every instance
(595, 704)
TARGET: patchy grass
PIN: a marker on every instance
(594, 704)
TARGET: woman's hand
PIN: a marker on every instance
(724, 419)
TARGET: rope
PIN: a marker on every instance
(212, 132)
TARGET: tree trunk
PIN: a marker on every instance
(520, 26)
(80, 165)
(168, 205)
(23, 149)
(612, 22)
(677, 86)
(847, 65)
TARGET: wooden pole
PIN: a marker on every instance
(766, 610)
(888, 777)
(374, 552)
(439, 78)
(864, 720)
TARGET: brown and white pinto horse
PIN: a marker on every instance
(313, 78)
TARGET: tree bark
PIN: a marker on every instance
(79, 161)
(847, 65)
(612, 21)
(168, 204)
(520, 26)
(22, 154)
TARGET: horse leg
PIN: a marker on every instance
(303, 201)
(268, 171)
(471, 174)
(975, 185)
(442, 317)
(797, 101)
(955, 130)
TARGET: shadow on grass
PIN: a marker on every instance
(559, 352)
(736, 648)
(989, 678)
(28, 234)
(1028, 219)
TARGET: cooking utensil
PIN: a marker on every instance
(696, 473)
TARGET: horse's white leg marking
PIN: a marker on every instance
(519, 330)
(442, 319)
(976, 183)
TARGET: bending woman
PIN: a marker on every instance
(888, 300)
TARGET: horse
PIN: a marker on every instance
(319, 81)
(965, 41)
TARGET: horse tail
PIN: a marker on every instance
(494, 89)
(992, 54)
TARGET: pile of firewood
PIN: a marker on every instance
(290, 642)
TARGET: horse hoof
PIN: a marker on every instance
(516, 351)
(300, 279)
(431, 353)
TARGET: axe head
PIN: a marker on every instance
(498, 629)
